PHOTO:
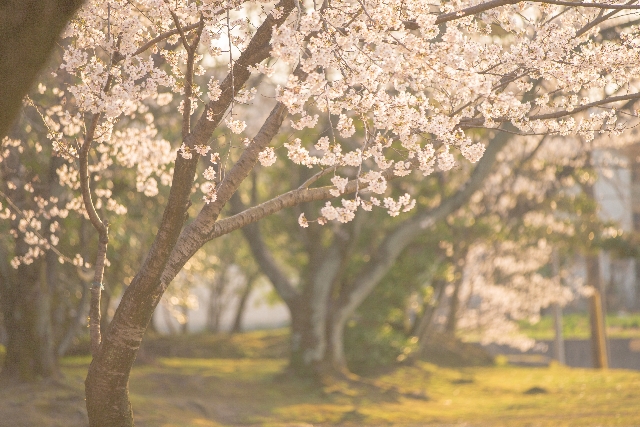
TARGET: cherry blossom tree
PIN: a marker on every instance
(527, 216)
(343, 265)
(324, 276)
(39, 298)
(414, 77)
(487, 265)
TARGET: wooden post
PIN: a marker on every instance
(598, 338)
(559, 339)
(559, 353)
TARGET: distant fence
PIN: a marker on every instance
(624, 353)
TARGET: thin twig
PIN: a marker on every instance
(34, 230)
(316, 177)
(161, 37)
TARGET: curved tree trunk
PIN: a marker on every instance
(242, 303)
(29, 30)
(107, 382)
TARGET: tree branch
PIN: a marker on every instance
(155, 40)
(584, 4)
(101, 227)
(256, 51)
(473, 10)
(395, 242)
(265, 260)
(188, 86)
(600, 19)
(483, 7)
(196, 234)
(316, 177)
(479, 121)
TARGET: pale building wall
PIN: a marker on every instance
(614, 191)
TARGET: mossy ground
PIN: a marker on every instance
(237, 391)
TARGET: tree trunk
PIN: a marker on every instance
(107, 382)
(29, 30)
(335, 360)
(184, 327)
(317, 349)
(26, 307)
(237, 320)
(308, 342)
(215, 306)
(454, 303)
(425, 325)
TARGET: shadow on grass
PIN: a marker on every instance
(243, 391)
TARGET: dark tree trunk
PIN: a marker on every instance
(237, 319)
(26, 292)
(454, 304)
(29, 30)
(302, 341)
(184, 327)
(26, 307)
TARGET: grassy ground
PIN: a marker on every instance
(242, 389)
(576, 326)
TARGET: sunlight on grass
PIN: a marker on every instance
(200, 392)
(252, 391)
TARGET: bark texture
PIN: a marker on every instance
(26, 308)
(29, 30)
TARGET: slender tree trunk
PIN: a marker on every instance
(168, 322)
(214, 307)
(184, 327)
(237, 320)
(454, 304)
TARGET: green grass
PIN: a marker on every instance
(576, 326)
(224, 391)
